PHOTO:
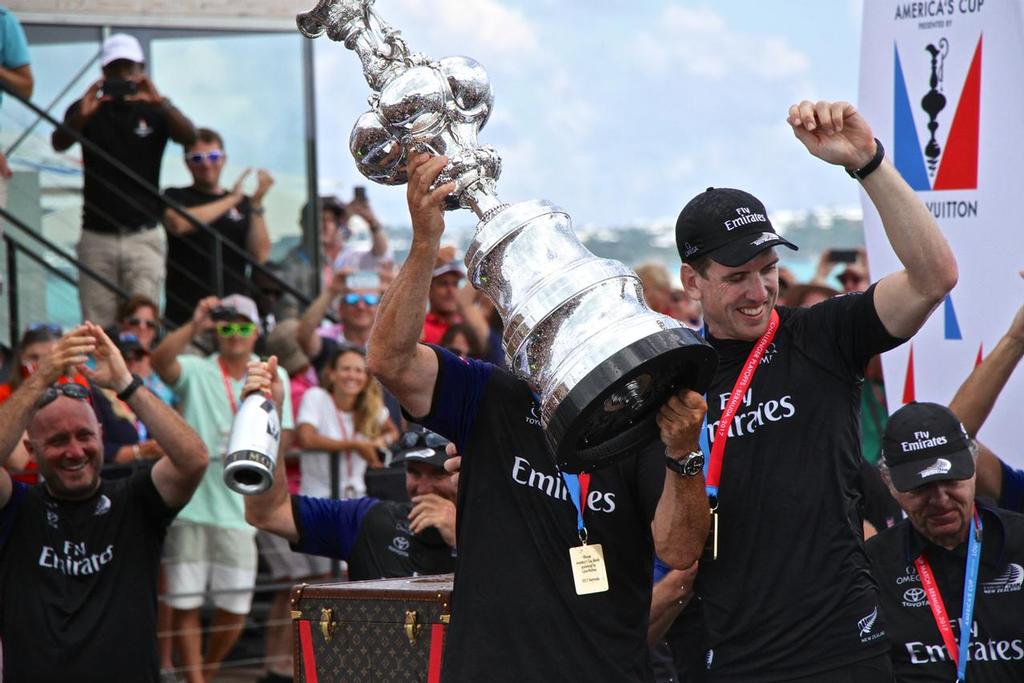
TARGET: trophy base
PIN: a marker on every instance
(610, 414)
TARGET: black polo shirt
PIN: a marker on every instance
(135, 134)
(997, 635)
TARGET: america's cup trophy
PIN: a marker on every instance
(576, 326)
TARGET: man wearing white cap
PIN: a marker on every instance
(210, 545)
(125, 116)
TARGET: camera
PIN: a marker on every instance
(842, 255)
(223, 313)
(359, 194)
(118, 89)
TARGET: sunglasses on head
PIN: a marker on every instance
(420, 439)
(52, 328)
(71, 390)
(196, 158)
(136, 322)
(368, 299)
(227, 330)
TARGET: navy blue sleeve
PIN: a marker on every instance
(328, 527)
(460, 387)
(660, 569)
(1012, 495)
(9, 513)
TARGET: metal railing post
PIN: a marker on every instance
(13, 324)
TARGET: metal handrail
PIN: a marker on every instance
(220, 241)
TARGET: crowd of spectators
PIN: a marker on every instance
(205, 304)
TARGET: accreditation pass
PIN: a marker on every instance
(588, 569)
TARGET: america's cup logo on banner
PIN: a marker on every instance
(942, 154)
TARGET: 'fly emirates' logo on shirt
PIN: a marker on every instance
(751, 416)
(73, 559)
(552, 485)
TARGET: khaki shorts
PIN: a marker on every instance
(198, 557)
(285, 563)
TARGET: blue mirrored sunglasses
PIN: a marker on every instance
(368, 299)
(196, 158)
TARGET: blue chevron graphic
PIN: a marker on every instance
(952, 326)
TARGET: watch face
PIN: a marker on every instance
(694, 465)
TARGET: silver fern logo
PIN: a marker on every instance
(867, 623)
(941, 466)
(1010, 581)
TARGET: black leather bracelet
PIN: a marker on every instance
(868, 168)
(131, 388)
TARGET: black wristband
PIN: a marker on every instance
(131, 388)
(691, 465)
(868, 168)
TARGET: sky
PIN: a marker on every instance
(620, 112)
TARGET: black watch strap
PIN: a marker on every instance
(131, 388)
(868, 168)
(689, 466)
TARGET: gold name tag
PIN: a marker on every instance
(711, 544)
(588, 569)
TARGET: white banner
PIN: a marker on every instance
(941, 84)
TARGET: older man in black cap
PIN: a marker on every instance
(789, 596)
(950, 575)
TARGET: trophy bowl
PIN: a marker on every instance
(577, 328)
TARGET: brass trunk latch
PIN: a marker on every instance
(327, 623)
(412, 629)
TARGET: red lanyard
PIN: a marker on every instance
(938, 605)
(227, 386)
(735, 398)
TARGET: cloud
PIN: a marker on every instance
(482, 24)
(698, 42)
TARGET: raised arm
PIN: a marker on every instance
(272, 510)
(395, 357)
(257, 242)
(977, 395)
(177, 475)
(974, 399)
(309, 321)
(681, 520)
(164, 358)
(836, 132)
(77, 116)
(70, 351)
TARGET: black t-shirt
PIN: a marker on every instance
(515, 612)
(134, 133)
(877, 506)
(996, 649)
(372, 535)
(78, 581)
(191, 258)
(791, 582)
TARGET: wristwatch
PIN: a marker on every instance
(131, 388)
(690, 465)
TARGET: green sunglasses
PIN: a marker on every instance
(227, 330)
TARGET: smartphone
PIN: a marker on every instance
(117, 89)
(842, 255)
(359, 193)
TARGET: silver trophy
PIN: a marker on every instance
(576, 326)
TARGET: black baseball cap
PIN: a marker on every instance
(419, 444)
(924, 443)
(731, 226)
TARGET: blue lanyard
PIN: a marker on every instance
(970, 590)
(572, 484)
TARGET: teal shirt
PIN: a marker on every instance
(206, 408)
(13, 45)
